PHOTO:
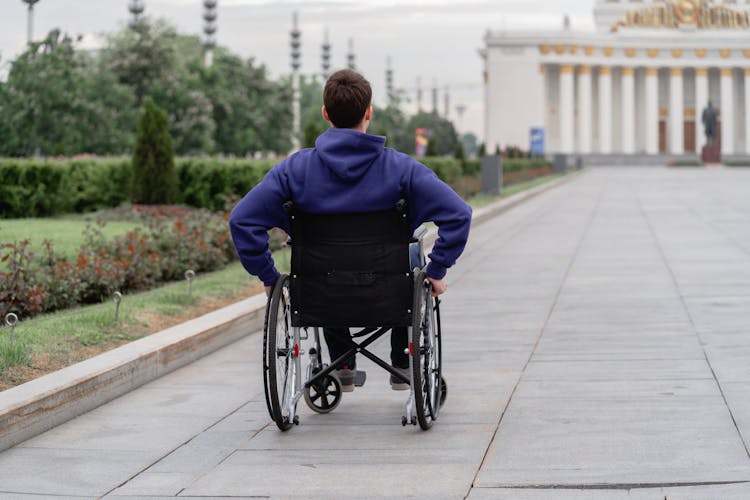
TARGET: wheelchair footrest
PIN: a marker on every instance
(360, 378)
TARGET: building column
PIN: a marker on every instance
(747, 110)
(584, 109)
(676, 113)
(701, 101)
(628, 110)
(727, 112)
(567, 118)
(652, 111)
(605, 110)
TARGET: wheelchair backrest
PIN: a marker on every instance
(351, 270)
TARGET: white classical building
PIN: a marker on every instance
(637, 85)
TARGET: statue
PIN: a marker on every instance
(709, 123)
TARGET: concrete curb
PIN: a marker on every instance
(39, 405)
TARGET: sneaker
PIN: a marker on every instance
(396, 383)
(346, 377)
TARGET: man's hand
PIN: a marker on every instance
(439, 287)
(268, 291)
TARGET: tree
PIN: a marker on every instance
(154, 175)
(153, 60)
(459, 152)
(58, 101)
(432, 147)
(310, 134)
(482, 150)
(395, 122)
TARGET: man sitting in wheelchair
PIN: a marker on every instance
(351, 172)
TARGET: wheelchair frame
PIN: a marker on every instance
(283, 351)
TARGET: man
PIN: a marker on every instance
(351, 171)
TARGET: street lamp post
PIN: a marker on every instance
(30, 20)
(209, 29)
(136, 9)
(295, 43)
(325, 57)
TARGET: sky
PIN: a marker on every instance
(436, 41)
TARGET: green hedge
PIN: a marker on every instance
(33, 188)
(42, 187)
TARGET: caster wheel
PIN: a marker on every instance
(324, 396)
(403, 421)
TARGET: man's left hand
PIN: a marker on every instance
(439, 287)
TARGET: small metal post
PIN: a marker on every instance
(190, 276)
(117, 298)
(11, 320)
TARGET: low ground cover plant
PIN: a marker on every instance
(170, 241)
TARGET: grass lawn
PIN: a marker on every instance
(52, 341)
(66, 233)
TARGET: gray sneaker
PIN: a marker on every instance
(398, 384)
(346, 377)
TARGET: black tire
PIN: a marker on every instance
(278, 355)
(426, 355)
(324, 396)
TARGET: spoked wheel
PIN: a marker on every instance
(325, 395)
(278, 355)
(426, 369)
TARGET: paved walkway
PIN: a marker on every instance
(597, 345)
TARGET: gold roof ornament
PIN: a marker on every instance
(673, 14)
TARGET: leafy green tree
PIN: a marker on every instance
(310, 134)
(442, 131)
(154, 175)
(251, 112)
(482, 150)
(153, 60)
(58, 101)
(459, 151)
(432, 147)
(393, 120)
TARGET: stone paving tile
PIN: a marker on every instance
(409, 471)
(49, 471)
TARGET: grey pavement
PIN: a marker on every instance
(596, 346)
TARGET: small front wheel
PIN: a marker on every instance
(325, 395)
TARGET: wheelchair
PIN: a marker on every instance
(353, 271)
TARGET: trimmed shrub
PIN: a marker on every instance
(154, 177)
(446, 168)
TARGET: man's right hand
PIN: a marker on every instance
(439, 287)
(268, 291)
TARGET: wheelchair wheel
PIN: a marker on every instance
(324, 396)
(278, 355)
(426, 355)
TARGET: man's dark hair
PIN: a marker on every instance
(346, 96)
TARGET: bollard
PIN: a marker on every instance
(11, 320)
(117, 298)
(189, 276)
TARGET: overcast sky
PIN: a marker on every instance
(436, 40)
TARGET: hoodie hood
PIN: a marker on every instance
(348, 153)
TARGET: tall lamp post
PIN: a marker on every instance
(325, 56)
(351, 60)
(209, 29)
(389, 81)
(136, 9)
(295, 44)
(30, 20)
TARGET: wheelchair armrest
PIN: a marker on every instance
(419, 233)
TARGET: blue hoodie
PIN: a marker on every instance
(348, 172)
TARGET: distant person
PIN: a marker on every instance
(351, 171)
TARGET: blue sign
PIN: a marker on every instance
(536, 141)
